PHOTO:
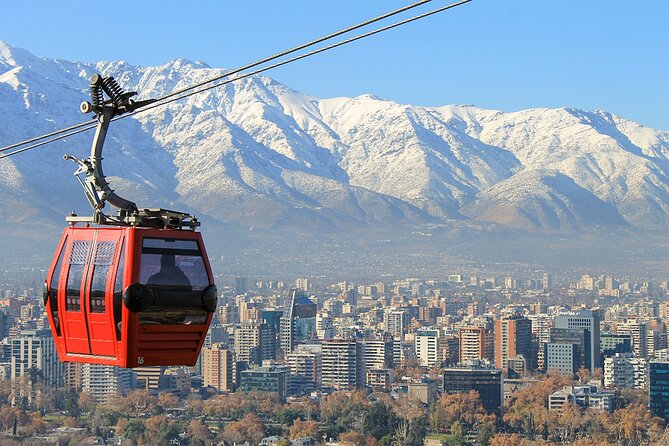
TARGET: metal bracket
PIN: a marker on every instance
(95, 185)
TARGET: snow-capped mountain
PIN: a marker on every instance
(256, 153)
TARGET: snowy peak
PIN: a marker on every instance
(258, 153)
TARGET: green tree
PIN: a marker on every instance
(287, 415)
(379, 421)
(72, 403)
(133, 429)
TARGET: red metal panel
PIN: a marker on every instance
(99, 299)
(71, 293)
(54, 316)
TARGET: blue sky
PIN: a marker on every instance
(506, 55)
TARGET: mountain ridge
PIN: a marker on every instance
(256, 153)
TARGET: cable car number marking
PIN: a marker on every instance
(140, 360)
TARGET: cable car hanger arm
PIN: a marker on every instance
(96, 187)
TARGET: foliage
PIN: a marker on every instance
(379, 421)
(250, 428)
(301, 429)
(466, 408)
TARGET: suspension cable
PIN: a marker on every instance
(186, 92)
(240, 69)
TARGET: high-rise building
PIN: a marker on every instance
(342, 367)
(659, 388)
(638, 331)
(426, 346)
(217, 368)
(612, 343)
(577, 337)
(562, 358)
(449, 345)
(304, 372)
(303, 284)
(396, 322)
(298, 323)
(485, 380)
(35, 349)
(547, 281)
(104, 381)
(476, 343)
(377, 353)
(254, 343)
(325, 328)
(513, 338)
(542, 324)
(587, 320)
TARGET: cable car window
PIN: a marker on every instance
(104, 254)
(118, 293)
(78, 257)
(176, 272)
(173, 263)
(53, 288)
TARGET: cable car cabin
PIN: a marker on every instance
(130, 296)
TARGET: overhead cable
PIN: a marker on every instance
(187, 92)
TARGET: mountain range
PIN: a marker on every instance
(256, 155)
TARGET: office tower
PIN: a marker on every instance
(304, 372)
(342, 367)
(578, 337)
(487, 381)
(426, 345)
(298, 323)
(217, 368)
(36, 349)
(513, 338)
(476, 343)
(396, 322)
(659, 388)
(625, 371)
(254, 343)
(265, 379)
(587, 320)
(562, 358)
(104, 381)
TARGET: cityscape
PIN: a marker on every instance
(461, 359)
(440, 223)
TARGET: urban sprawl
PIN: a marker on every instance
(464, 359)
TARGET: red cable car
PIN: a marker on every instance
(134, 289)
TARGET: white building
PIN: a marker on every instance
(35, 349)
(104, 381)
(625, 371)
(426, 344)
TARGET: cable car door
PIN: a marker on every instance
(99, 297)
(71, 304)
